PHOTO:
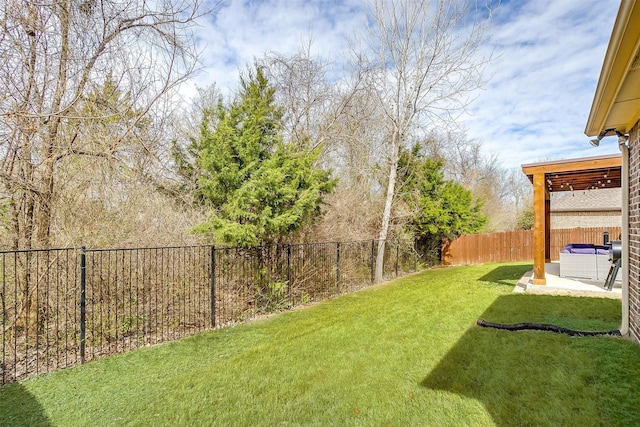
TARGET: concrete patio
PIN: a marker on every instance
(557, 285)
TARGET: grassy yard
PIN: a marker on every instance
(406, 353)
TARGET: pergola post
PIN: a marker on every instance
(547, 227)
(541, 221)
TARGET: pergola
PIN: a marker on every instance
(589, 173)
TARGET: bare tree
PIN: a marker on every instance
(303, 92)
(353, 211)
(420, 61)
(518, 195)
(314, 105)
(502, 191)
(338, 118)
(53, 56)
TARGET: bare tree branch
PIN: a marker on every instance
(420, 61)
(57, 59)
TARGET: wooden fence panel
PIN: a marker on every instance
(510, 246)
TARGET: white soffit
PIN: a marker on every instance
(616, 104)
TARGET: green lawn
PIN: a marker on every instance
(405, 353)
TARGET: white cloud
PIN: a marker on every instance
(535, 105)
(242, 30)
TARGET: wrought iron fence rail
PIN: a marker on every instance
(62, 307)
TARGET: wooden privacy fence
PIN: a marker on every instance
(516, 245)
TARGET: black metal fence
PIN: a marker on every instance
(62, 307)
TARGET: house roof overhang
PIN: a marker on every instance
(578, 174)
(616, 104)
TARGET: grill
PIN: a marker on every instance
(615, 253)
(615, 256)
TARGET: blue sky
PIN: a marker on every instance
(548, 56)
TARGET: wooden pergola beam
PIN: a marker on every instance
(574, 165)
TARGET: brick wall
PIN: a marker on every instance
(634, 232)
(561, 220)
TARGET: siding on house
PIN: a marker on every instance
(562, 220)
(634, 232)
(587, 209)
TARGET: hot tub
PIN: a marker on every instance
(585, 261)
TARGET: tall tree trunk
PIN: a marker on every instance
(45, 206)
(418, 59)
(388, 204)
(26, 200)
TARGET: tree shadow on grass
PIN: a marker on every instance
(506, 274)
(18, 407)
(541, 378)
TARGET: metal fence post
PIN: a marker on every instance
(289, 272)
(373, 243)
(337, 267)
(213, 287)
(83, 300)
(397, 256)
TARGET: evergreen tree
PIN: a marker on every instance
(258, 188)
(439, 208)
(525, 219)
